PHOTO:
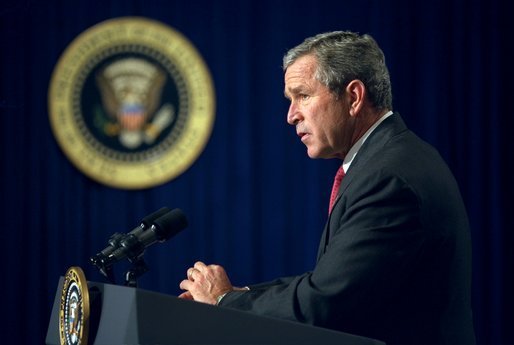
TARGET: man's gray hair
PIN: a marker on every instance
(343, 56)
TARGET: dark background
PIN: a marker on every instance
(255, 202)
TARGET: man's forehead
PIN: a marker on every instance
(299, 74)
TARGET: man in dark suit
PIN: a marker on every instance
(394, 260)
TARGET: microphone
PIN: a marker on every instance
(115, 240)
(134, 244)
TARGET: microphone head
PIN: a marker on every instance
(148, 220)
(169, 224)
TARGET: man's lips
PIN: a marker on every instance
(303, 135)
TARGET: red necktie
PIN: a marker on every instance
(335, 188)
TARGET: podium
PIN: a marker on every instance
(126, 315)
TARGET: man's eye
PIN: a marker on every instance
(304, 97)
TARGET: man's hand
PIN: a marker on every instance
(205, 283)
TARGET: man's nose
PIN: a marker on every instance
(293, 115)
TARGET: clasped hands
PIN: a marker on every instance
(205, 283)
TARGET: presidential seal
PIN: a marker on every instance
(74, 308)
(131, 103)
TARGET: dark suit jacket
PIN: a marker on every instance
(394, 260)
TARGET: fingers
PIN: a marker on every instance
(200, 266)
(186, 284)
(190, 272)
(201, 270)
(205, 283)
(186, 295)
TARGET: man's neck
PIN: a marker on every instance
(357, 145)
(366, 120)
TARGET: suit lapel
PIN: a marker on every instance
(390, 127)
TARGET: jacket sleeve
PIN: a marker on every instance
(375, 240)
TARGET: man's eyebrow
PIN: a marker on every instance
(293, 91)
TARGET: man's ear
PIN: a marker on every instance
(356, 92)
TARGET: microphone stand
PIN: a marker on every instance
(139, 267)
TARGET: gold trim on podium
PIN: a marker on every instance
(74, 308)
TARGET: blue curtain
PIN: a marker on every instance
(256, 203)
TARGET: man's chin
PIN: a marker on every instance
(320, 155)
(315, 154)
